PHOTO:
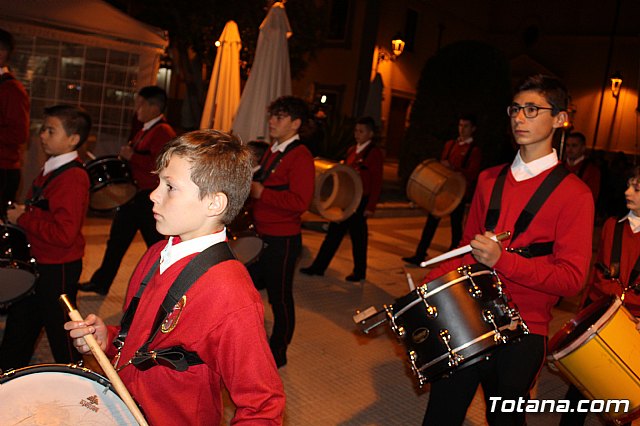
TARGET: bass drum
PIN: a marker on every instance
(18, 270)
(338, 190)
(112, 183)
(55, 394)
(452, 321)
(599, 353)
(436, 188)
(243, 238)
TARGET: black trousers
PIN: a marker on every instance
(430, 226)
(136, 215)
(9, 183)
(26, 318)
(356, 225)
(274, 271)
(509, 373)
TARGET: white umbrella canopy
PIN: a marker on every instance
(270, 76)
(223, 96)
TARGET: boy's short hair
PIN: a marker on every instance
(551, 88)
(579, 136)
(219, 163)
(154, 95)
(258, 148)
(6, 40)
(75, 120)
(369, 122)
(471, 118)
(293, 106)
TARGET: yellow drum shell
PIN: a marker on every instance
(436, 188)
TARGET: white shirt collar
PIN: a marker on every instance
(576, 161)
(464, 141)
(523, 171)
(59, 160)
(360, 147)
(151, 122)
(173, 253)
(634, 222)
(281, 146)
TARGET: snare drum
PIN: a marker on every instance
(599, 353)
(18, 270)
(243, 238)
(62, 395)
(450, 322)
(111, 183)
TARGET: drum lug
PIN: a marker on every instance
(454, 358)
(413, 357)
(432, 311)
(399, 330)
(474, 290)
(488, 317)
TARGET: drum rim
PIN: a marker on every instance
(103, 158)
(588, 334)
(56, 368)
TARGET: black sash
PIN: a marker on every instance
(534, 204)
(616, 251)
(6, 77)
(144, 133)
(264, 172)
(37, 200)
(175, 357)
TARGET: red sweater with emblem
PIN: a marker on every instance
(55, 235)
(223, 322)
(566, 218)
(14, 122)
(287, 194)
(368, 163)
(146, 147)
(600, 286)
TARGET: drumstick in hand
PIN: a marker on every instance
(462, 250)
(104, 362)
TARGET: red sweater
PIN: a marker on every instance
(370, 170)
(566, 218)
(590, 175)
(456, 154)
(56, 235)
(145, 152)
(14, 123)
(277, 212)
(600, 286)
(223, 322)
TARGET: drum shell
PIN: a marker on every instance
(461, 314)
(436, 188)
(244, 241)
(42, 394)
(338, 190)
(18, 269)
(599, 353)
(112, 183)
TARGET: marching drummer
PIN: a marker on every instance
(52, 220)
(617, 267)
(547, 257)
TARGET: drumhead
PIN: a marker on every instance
(577, 331)
(55, 394)
(246, 249)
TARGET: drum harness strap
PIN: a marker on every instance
(37, 200)
(616, 250)
(176, 357)
(144, 133)
(359, 163)
(6, 77)
(264, 172)
(543, 192)
(467, 155)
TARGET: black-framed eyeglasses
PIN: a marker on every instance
(530, 111)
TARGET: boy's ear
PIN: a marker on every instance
(217, 204)
(296, 123)
(560, 119)
(74, 140)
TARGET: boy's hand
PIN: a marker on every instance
(92, 324)
(14, 213)
(485, 250)
(126, 152)
(256, 190)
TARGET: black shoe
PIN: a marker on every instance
(310, 270)
(354, 278)
(413, 260)
(93, 287)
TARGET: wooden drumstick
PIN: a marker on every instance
(104, 362)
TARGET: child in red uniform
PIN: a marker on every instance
(204, 179)
(558, 242)
(52, 221)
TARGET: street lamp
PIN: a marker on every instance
(397, 47)
(616, 84)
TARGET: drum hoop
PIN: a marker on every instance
(590, 333)
(465, 346)
(439, 289)
(58, 368)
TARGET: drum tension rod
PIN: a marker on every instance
(399, 330)
(474, 290)
(454, 358)
(432, 311)
(489, 317)
(413, 358)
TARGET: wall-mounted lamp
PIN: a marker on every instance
(616, 84)
(164, 72)
(397, 47)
